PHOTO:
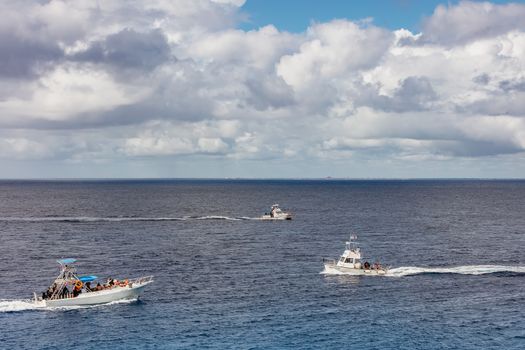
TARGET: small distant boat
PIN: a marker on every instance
(69, 289)
(351, 262)
(276, 214)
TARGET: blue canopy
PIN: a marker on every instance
(66, 261)
(88, 278)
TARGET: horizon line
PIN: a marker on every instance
(327, 178)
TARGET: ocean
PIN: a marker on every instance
(225, 280)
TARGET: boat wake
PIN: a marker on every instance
(87, 219)
(215, 217)
(18, 305)
(462, 270)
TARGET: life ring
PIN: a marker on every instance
(79, 284)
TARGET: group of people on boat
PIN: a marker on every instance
(272, 211)
(52, 291)
(78, 286)
(374, 266)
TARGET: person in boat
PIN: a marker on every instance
(77, 290)
(47, 294)
(88, 287)
(99, 287)
(64, 293)
(367, 265)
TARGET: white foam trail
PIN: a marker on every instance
(66, 308)
(27, 304)
(115, 219)
(217, 217)
(248, 218)
(17, 305)
(87, 219)
(463, 270)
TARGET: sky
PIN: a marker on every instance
(297, 15)
(262, 89)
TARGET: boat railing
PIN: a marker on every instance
(141, 280)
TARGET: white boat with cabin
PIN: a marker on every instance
(82, 293)
(351, 262)
(276, 213)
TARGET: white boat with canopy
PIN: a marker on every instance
(276, 214)
(351, 262)
(70, 289)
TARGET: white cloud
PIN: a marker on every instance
(68, 92)
(332, 50)
(237, 3)
(81, 83)
(23, 148)
(259, 49)
(212, 145)
(457, 24)
(60, 21)
(157, 146)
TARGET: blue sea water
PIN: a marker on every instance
(224, 280)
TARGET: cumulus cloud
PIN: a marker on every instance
(22, 53)
(128, 49)
(88, 82)
(23, 148)
(413, 94)
(458, 24)
(257, 49)
(332, 50)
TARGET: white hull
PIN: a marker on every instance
(276, 214)
(268, 217)
(280, 217)
(331, 268)
(98, 297)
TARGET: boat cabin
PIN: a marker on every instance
(351, 257)
(275, 209)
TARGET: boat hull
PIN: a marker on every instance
(334, 269)
(276, 218)
(100, 297)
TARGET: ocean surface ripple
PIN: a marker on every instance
(224, 279)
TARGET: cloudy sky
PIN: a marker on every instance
(224, 88)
